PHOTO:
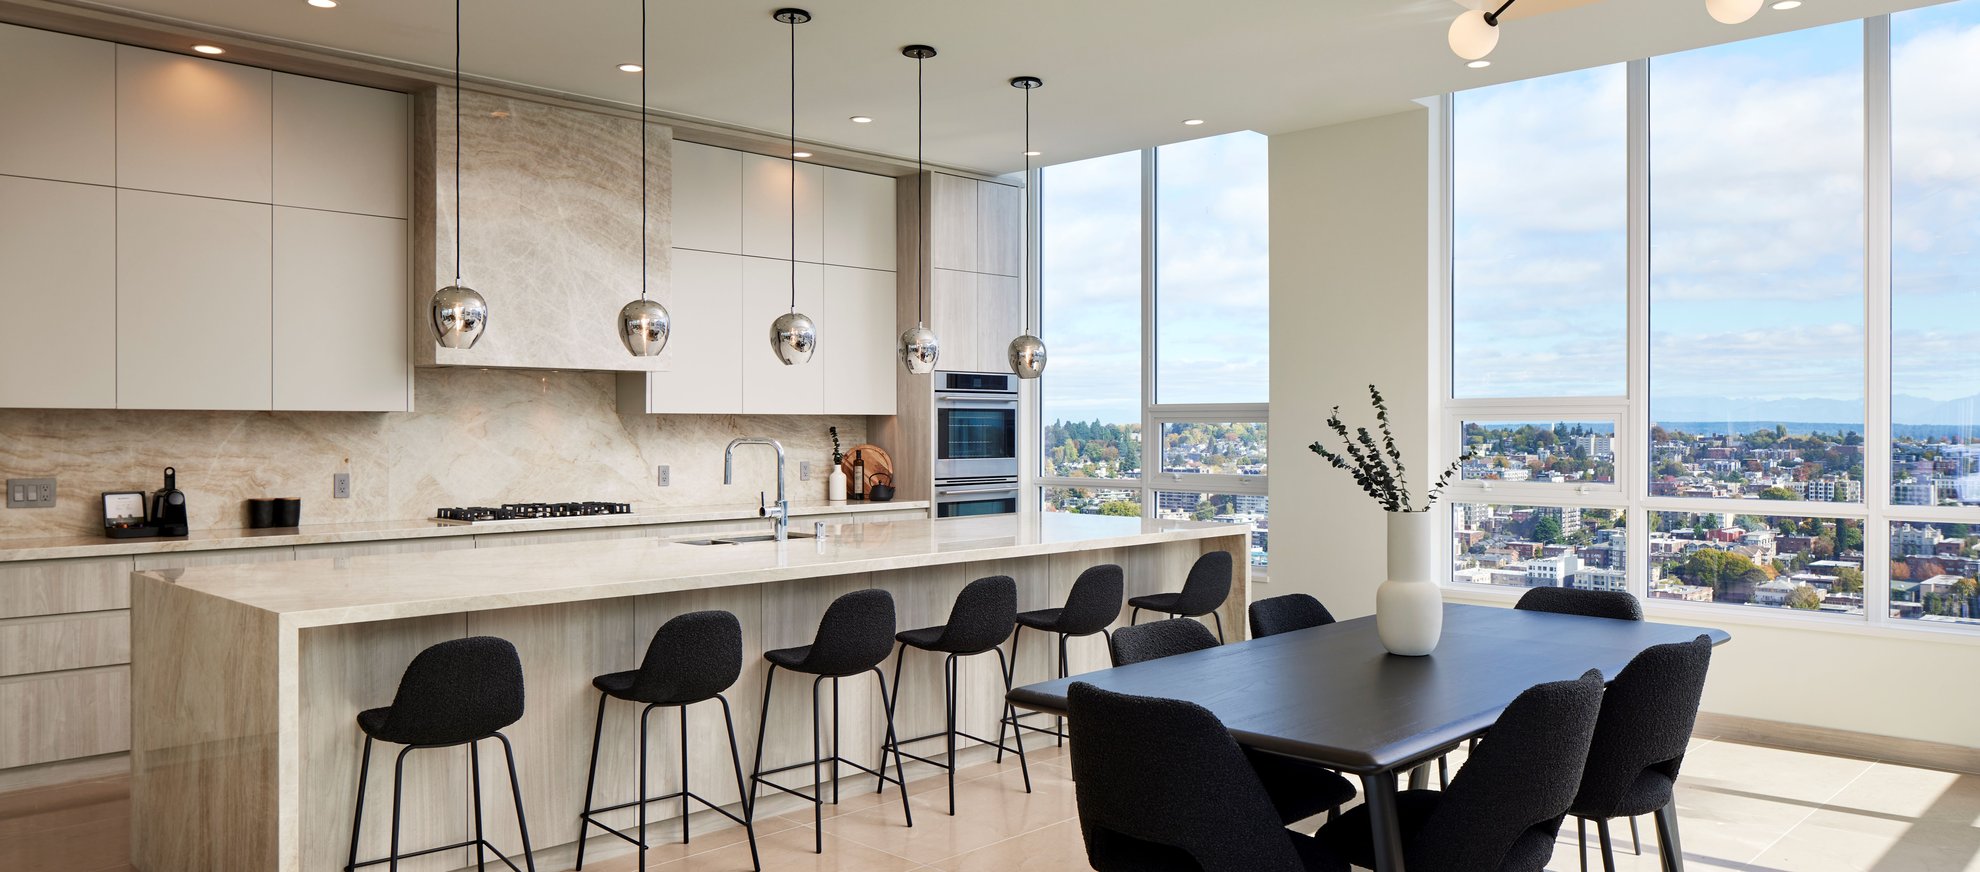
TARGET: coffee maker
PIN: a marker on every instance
(168, 506)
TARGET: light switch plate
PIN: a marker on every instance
(340, 486)
(804, 470)
(30, 493)
(666, 477)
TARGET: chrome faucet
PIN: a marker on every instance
(780, 512)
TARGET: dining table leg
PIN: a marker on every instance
(1380, 792)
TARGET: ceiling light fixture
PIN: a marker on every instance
(1479, 64)
(1785, 5)
(1476, 32)
(861, 119)
(793, 336)
(633, 68)
(1033, 153)
(1027, 352)
(644, 325)
(1732, 11)
(459, 312)
(800, 154)
(209, 49)
(323, 4)
(1192, 122)
(919, 349)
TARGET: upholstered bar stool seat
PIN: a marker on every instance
(1203, 593)
(1093, 604)
(984, 615)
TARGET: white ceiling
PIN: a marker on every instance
(1119, 74)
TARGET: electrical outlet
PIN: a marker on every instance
(804, 470)
(340, 486)
(666, 477)
(30, 493)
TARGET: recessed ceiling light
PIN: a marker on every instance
(323, 4)
(209, 49)
(800, 154)
(1033, 153)
(499, 113)
(861, 119)
(630, 68)
(1192, 122)
(1785, 5)
(1479, 64)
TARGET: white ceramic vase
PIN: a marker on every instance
(1409, 606)
(835, 484)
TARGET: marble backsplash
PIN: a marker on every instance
(478, 437)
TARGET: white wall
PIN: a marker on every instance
(1351, 273)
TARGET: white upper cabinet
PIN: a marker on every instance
(58, 294)
(707, 345)
(860, 361)
(770, 387)
(59, 102)
(707, 198)
(193, 303)
(339, 312)
(192, 126)
(999, 229)
(340, 147)
(859, 225)
(766, 208)
(952, 210)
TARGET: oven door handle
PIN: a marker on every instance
(974, 403)
(1000, 489)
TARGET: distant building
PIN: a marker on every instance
(1910, 540)
(1835, 489)
(1686, 592)
(1570, 519)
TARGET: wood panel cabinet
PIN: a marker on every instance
(860, 363)
(60, 102)
(339, 312)
(58, 290)
(770, 387)
(999, 229)
(705, 374)
(952, 214)
(193, 303)
(340, 147)
(707, 198)
(193, 126)
(952, 315)
(767, 209)
(65, 715)
(999, 319)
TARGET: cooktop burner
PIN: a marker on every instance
(528, 511)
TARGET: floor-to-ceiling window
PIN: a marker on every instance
(1153, 299)
(1709, 326)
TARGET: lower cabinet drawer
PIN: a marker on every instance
(65, 716)
(54, 587)
(56, 642)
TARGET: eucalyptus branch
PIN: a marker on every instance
(1376, 465)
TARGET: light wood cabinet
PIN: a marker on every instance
(58, 587)
(58, 642)
(999, 229)
(705, 374)
(58, 290)
(65, 715)
(770, 387)
(60, 106)
(952, 213)
(193, 303)
(339, 313)
(999, 319)
(860, 362)
(952, 315)
(192, 126)
(767, 209)
(859, 220)
(707, 198)
(340, 147)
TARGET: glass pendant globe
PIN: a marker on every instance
(1472, 37)
(459, 316)
(794, 338)
(1732, 11)
(920, 349)
(1027, 355)
(644, 326)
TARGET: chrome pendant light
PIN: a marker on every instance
(793, 336)
(919, 348)
(459, 312)
(1027, 352)
(644, 325)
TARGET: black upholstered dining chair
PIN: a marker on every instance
(1093, 604)
(1284, 614)
(1504, 809)
(983, 616)
(1299, 789)
(1615, 604)
(1640, 741)
(1162, 787)
(1203, 592)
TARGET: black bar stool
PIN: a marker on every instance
(984, 616)
(693, 658)
(1093, 604)
(454, 693)
(853, 638)
(1203, 593)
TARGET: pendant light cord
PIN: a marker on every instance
(1027, 211)
(457, 143)
(642, 151)
(920, 219)
(792, 20)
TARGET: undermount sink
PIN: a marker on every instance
(738, 540)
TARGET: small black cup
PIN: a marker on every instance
(261, 514)
(288, 512)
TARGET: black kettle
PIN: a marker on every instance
(168, 506)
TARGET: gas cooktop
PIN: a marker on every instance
(528, 511)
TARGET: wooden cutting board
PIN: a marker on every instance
(877, 461)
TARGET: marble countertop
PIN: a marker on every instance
(326, 592)
(63, 547)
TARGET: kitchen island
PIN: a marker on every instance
(247, 678)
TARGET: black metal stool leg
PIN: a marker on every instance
(1134, 617)
(835, 741)
(357, 817)
(644, 715)
(1635, 841)
(515, 789)
(591, 780)
(949, 697)
(1059, 723)
(817, 772)
(900, 769)
(1012, 722)
(735, 756)
(1010, 712)
(684, 779)
(1608, 850)
(398, 784)
(1219, 618)
(474, 780)
(762, 729)
(880, 780)
(1581, 831)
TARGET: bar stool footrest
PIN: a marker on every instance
(425, 851)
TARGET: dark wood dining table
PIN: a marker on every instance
(1333, 696)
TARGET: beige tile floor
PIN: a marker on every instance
(1742, 807)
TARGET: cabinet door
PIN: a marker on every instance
(340, 147)
(60, 103)
(952, 315)
(766, 208)
(58, 293)
(707, 196)
(859, 220)
(705, 351)
(999, 229)
(193, 303)
(340, 313)
(192, 126)
(999, 319)
(952, 213)
(861, 360)
(770, 387)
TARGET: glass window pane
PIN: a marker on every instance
(1219, 449)
(1756, 285)
(1211, 271)
(1803, 564)
(1539, 245)
(1934, 568)
(1121, 502)
(1559, 452)
(1935, 256)
(1253, 509)
(1539, 546)
(1090, 312)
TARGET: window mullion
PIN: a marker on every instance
(1877, 315)
(1634, 477)
(1151, 438)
